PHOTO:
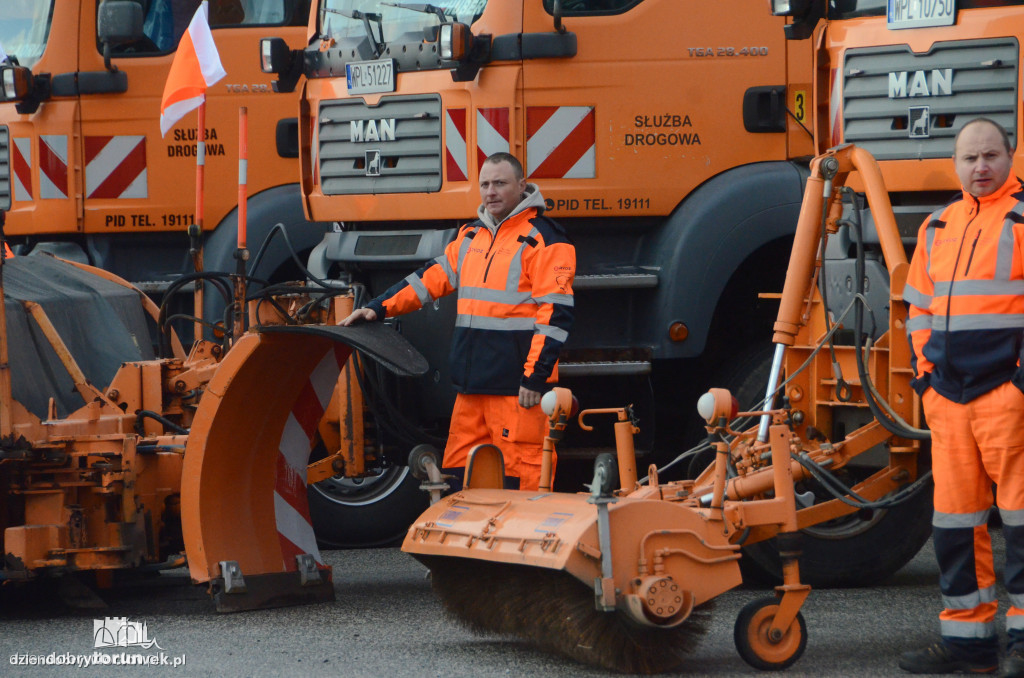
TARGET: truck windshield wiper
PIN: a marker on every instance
(425, 8)
(366, 18)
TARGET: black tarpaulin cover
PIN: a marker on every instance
(102, 323)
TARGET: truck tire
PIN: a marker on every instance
(860, 549)
(368, 512)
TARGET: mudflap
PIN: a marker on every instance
(245, 516)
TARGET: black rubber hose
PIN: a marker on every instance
(167, 423)
(858, 340)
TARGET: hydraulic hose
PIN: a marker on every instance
(888, 419)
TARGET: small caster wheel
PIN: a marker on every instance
(754, 643)
(418, 457)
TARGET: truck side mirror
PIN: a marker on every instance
(15, 82)
(276, 57)
(118, 22)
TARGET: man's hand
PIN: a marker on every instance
(528, 398)
(367, 315)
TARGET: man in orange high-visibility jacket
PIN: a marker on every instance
(513, 269)
(965, 289)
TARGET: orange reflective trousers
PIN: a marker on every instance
(517, 431)
(974, 445)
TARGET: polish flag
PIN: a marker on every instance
(196, 66)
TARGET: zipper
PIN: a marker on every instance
(970, 258)
(487, 255)
(952, 279)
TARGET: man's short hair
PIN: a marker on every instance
(517, 167)
(1002, 132)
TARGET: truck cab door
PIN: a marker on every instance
(651, 105)
(43, 136)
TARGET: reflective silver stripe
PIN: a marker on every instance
(1017, 600)
(964, 288)
(496, 296)
(916, 298)
(959, 629)
(556, 333)
(1012, 518)
(463, 249)
(515, 269)
(563, 299)
(1004, 257)
(416, 283)
(921, 322)
(442, 261)
(482, 322)
(929, 233)
(955, 520)
(1015, 621)
(970, 600)
(981, 321)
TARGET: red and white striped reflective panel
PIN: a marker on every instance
(291, 506)
(455, 144)
(834, 106)
(115, 167)
(21, 167)
(560, 142)
(492, 132)
(53, 166)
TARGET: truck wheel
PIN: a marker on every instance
(859, 549)
(366, 512)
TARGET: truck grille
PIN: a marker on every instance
(902, 105)
(394, 147)
(5, 168)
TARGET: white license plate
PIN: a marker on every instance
(368, 77)
(920, 13)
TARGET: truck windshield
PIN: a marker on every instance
(397, 18)
(24, 28)
(848, 9)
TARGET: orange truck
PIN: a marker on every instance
(900, 79)
(670, 139)
(85, 173)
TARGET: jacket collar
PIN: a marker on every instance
(531, 198)
(1011, 185)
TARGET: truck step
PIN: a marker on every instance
(610, 281)
(604, 368)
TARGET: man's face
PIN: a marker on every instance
(981, 159)
(500, 190)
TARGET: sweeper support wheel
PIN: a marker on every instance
(754, 641)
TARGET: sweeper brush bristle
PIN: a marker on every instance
(555, 611)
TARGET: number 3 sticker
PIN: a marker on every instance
(800, 101)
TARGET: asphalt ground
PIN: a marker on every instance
(386, 621)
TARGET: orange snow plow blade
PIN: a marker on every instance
(245, 517)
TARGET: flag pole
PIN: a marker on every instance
(6, 397)
(242, 253)
(195, 231)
